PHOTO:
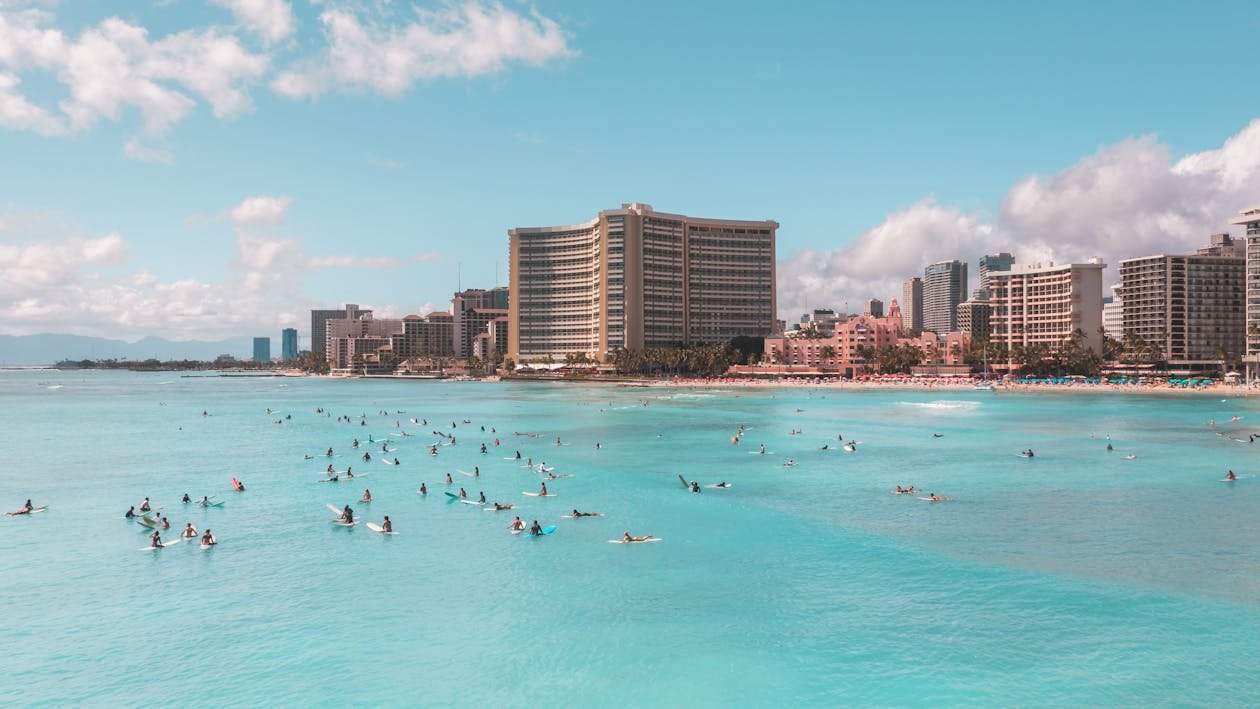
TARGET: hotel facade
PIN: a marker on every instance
(1192, 305)
(636, 278)
(1045, 303)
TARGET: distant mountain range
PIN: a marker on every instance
(21, 350)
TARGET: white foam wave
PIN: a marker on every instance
(943, 405)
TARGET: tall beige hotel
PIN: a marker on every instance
(637, 278)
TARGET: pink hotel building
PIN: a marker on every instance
(802, 355)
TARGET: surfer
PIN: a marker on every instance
(761, 450)
(23, 510)
(208, 539)
(938, 435)
(518, 455)
(155, 540)
(543, 491)
(503, 506)
(695, 486)
(347, 515)
(395, 460)
(483, 497)
(186, 499)
(387, 526)
(448, 479)
(367, 496)
(625, 537)
(517, 524)
(131, 512)
(722, 484)
(423, 490)
(1109, 448)
(463, 495)
(789, 463)
(1228, 476)
(577, 515)
(166, 522)
(189, 531)
(329, 453)
(1029, 453)
(483, 448)
(367, 457)
(534, 529)
(355, 444)
(144, 506)
(476, 472)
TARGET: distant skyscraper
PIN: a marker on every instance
(288, 344)
(1113, 314)
(912, 304)
(262, 349)
(990, 263)
(319, 328)
(944, 287)
(873, 307)
(499, 298)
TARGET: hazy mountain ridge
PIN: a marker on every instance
(49, 348)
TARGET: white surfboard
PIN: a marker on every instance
(636, 541)
(465, 472)
(208, 546)
(171, 543)
(472, 502)
(332, 509)
(388, 462)
(716, 486)
(539, 494)
(378, 528)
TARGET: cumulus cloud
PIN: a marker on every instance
(461, 40)
(427, 257)
(259, 210)
(271, 20)
(82, 285)
(1126, 200)
(114, 66)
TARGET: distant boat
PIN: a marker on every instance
(983, 386)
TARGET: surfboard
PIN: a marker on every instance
(545, 531)
(171, 543)
(465, 472)
(208, 546)
(210, 504)
(388, 462)
(593, 514)
(636, 541)
(539, 494)
(685, 484)
(472, 502)
(451, 495)
(37, 510)
(339, 523)
(378, 528)
(939, 499)
(150, 525)
(333, 509)
(716, 486)
(760, 453)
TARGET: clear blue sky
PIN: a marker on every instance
(825, 116)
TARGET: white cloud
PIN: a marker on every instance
(51, 283)
(464, 39)
(427, 257)
(272, 20)
(1126, 200)
(16, 113)
(260, 210)
(114, 66)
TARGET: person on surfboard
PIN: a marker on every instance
(535, 529)
(387, 526)
(189, 531)
(517, 524)
(155, 539)
(367, 496)
(625, 537)
(208, 539)
(23, 510)
(543, 492)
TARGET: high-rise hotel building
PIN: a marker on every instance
(637, 278)
(1046, 303)
(1190, 305)
(1250, 220)
(944, 287)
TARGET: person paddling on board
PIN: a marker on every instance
(517, 524)
(723, 484)
(1228, 476)
(503, 506)
(186, 499)
(144, 506)
(534, 529)
(577, 515)
(208, 539)
(387, 526)
(423, 490)
(625, 537)
(189, 531)
(23, 510)
(367, 496)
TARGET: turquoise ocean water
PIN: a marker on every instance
(1076, 577)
